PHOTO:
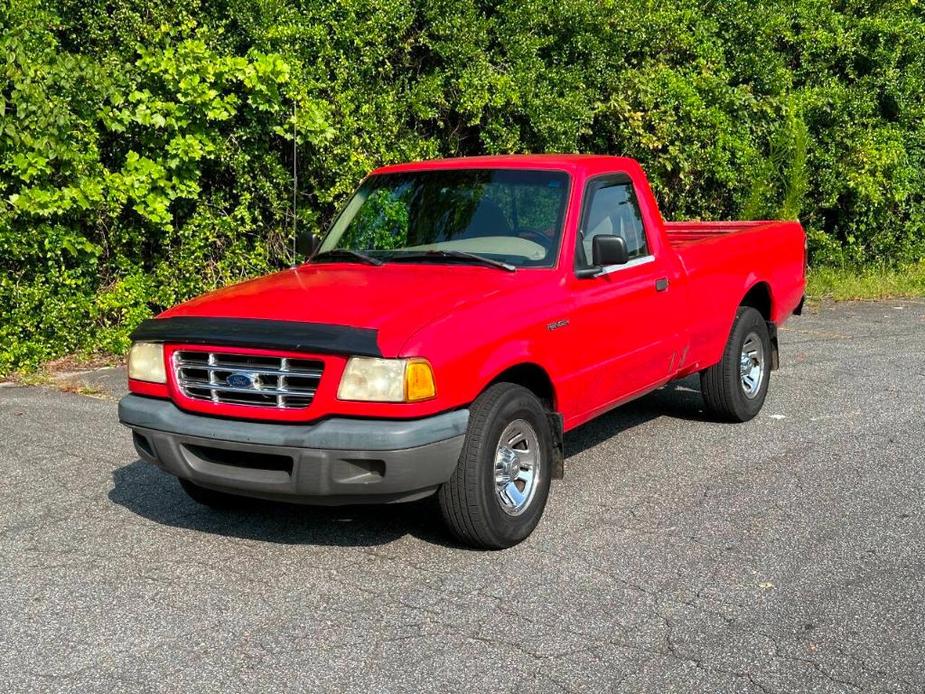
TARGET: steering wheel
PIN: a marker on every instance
(536, 237)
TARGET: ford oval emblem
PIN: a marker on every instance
(240, 380)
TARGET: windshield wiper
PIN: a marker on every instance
(454, 255)
(341, 253)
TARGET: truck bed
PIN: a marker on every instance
(721, 260)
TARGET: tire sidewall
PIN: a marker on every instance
(749, 320)
(519, 403)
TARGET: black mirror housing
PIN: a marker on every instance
(608, 250)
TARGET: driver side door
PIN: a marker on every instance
(625, 346)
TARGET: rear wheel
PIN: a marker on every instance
(210, 497)
(498, 491)
(735, 388)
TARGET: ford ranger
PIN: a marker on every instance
(458, 317)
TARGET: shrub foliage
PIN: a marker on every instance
(146, 148)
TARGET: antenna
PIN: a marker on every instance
(295, 184)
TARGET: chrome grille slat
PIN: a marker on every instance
(232, 389)
(280, 382)
(224, 366)
(282, 386)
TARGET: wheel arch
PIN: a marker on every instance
(760, 298)
(536, 379)
(531, 376)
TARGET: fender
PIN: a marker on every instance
(501, 357)
(518, 354)
(719, 341)
(752, 282)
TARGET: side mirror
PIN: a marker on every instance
(306, 243)
(608, 250)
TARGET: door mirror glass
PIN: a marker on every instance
(607, 250)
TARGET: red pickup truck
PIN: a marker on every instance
(457, 318)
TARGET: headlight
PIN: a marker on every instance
(146, 362)
(387, 380)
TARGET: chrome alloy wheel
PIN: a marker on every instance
(751, 365)
(517, 466)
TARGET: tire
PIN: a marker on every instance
(476, 512)
(210, 497)
(729, 394)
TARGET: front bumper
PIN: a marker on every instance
(335, 461)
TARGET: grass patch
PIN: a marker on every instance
(38, 377)
(81, 388)
(50, 371)
(872, 282)
(67, 374)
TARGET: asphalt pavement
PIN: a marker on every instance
(678, 554)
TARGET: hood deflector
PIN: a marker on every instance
(256, 333)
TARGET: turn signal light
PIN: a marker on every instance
(419, 381)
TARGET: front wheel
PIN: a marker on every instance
(498, 491)
(735, 388)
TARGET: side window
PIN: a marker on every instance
(611, 208)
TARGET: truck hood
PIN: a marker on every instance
(396, 299)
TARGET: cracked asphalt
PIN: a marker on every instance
(786, 554)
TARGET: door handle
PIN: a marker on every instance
(661, 284)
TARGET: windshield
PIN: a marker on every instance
(509, 216)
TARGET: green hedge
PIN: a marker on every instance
(145, 148)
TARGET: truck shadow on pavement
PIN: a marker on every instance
(151, 493)
(678, 400)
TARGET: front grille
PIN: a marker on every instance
(245, 379)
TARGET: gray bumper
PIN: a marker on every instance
(336, 461)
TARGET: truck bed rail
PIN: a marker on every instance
(686, 233)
